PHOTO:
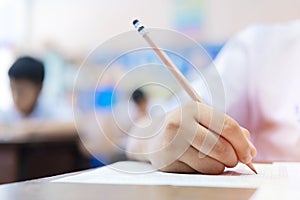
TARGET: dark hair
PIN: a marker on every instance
(27, 68)
(138, 96)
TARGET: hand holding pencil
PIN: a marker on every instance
(233, 139)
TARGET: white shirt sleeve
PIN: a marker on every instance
(234, 66)
(225, 84)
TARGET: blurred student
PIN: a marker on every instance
(29, 115)
(260, 71)
(141, 101)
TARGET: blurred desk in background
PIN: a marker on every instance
(35, 157)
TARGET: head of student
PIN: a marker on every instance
(26, 77)
(139, 98)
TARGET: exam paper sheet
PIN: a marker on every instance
(139, 173)
(287, 188)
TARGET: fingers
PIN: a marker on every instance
(201, 163)
(253, 150)
(233, 133)
(228, 128)
(215, 146)
(246, 133)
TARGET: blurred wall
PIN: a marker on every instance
(79, 25)
(85, 23)
(82, 24)
(225, 17)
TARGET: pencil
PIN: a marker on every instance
(173, 69)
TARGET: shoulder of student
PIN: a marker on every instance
(265, 34)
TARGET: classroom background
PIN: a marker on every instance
(62, 33)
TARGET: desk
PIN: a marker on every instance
(28, 158)
(44, 189)
(111, 183)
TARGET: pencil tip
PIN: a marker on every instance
(251, 166)
(254, 171)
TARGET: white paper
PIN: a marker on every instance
(138, 173)
(287, 188)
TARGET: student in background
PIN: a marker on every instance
(259, 68)
(28, 115)
(141, 101)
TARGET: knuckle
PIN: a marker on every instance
(171, 130)
(172, 125)
(247, 133)
(230, 125)
(221, 148)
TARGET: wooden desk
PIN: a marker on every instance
(44, 189)
(28, 158)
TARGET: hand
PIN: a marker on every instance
(193, 138)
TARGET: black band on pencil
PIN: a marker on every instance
(135, 21)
